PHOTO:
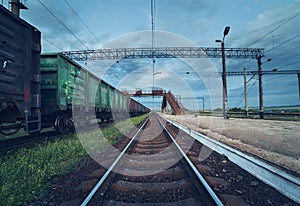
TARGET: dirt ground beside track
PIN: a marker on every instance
(275, 141)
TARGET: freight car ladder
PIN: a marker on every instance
(33, 113)
(175, 105)
(33, 123)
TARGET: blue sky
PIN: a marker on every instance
(269, 24)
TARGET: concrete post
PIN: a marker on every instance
(261, 101)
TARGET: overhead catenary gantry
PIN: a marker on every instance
(173, 52)
(164, 52)
(267, 72)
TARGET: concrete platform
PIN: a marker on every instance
(274, 141)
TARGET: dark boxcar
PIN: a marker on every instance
(135, 108)
(19, 73)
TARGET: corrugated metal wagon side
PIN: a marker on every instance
(119, 108)
(67, 86)
(59, 78)
(105, 107)
(19, 73)
(135, 108)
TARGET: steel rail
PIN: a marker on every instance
(200, 177)
(283, 182)
(101, 181)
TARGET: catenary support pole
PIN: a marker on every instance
(261, 101)
(246, 93)
(299, 85)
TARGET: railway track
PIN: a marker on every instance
(151, 171)
(164, 165)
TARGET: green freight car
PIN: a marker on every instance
(65, 85)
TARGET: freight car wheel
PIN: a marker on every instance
(64, 124)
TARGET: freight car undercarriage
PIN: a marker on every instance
(12, 119)
(9, 129)
(64, 123)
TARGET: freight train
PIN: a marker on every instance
(39, 91)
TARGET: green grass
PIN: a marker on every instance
(25, 174)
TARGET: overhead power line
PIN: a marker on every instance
(153, 22)
(49, 42)
(270, 79)
(83, 23)
(61, 23)
(286, 51)
(284, 22)
(280, 25)
(297, 62)
(89, 30)
(284, 42)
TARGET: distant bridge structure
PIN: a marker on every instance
(168, 97)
